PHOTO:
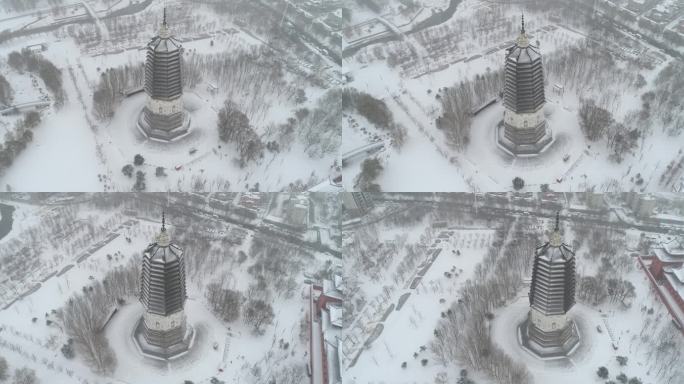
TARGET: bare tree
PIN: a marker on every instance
(25, 376)
(226, 303)
(258, 313)
(3, 369)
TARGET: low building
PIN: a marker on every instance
(664, 266)
(668, 254)
(357, 203)
(36, 48)
(297, 212)
(636, 5)
(674, 283)
(595, 201)
(325, 330)
(643, 205)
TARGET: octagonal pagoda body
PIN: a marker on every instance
(524, 130)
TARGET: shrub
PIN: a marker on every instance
(127, 170)
(602, 372)
(518, 183)
(138, 160)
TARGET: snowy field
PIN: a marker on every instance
(422, 302)
(425, 269)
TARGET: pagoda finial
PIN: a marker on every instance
(522, 29)
(522, 41)
(557, 220)
(163, 239)
(164, 29)
(555, 239)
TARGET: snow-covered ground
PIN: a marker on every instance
(397, 306)
(621, 335)
(477, 36)
(72, 138)
(71, 258)
(420, 309)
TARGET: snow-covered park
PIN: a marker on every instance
(66, 253)
(445, 281)
(410, 76)
(82, 140)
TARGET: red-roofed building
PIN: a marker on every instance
(670, 254)
(674, 283)
(325, 326)
(664, 266)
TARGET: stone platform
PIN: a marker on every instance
(163, 127)
(156, 352)
(557, 344)
(527, 149)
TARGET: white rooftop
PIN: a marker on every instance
(336, 314)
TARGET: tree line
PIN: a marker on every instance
(6, 91)
(26, 60)
(665, 104)
(23, 375)
(463, 333)
(598, 123)
(375, 111)
(84, 316)
(17, 140)
(113, 83)
(234, 127)
(459, 101)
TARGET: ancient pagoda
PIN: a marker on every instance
(548, 330)
(162, 331)
(163, 117)
(524, 130)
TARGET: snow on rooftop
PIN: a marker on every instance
(672, 302)
(329, 289)
(336, 314)
(339, 282)
(679, 274)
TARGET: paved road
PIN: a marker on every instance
(431, 21)
(320, 49)
(104, 32)
(200, 212)
(128, 10)
(601, 218)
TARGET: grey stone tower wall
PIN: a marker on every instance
(162, 294)
(163, 77)
(548, 331)
(163, 117)
(524, 130)
(524, 80)
(162, 279)
(161, 126)
(552, 291)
